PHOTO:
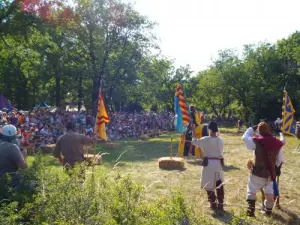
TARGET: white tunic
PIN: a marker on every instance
(212, 147)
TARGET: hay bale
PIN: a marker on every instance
(144, 137)
(174, 163)
(112, 145)
(93, 159)
(48, 149)
(99, 141)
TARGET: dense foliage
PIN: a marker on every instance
(103, 199)
(53, 52)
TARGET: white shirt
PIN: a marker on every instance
(250, 144)
(278, 121)
(44, 131)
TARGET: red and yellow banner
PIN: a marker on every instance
(182, 104)
(101, 119)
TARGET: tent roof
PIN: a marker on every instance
(5, 104)
(43, 105)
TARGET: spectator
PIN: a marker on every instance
(11, 157)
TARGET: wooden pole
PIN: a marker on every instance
(95, 147)
(263, 198)
(277, 197)
(171, 148)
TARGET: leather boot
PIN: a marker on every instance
(212, 199)
(251, 208)
(220, 197)
(268, 211)
(277, 202)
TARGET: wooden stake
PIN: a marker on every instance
(95, 146)
(263, 198)
(171, 148)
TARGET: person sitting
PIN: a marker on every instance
(14, 119)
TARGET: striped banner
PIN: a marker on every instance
(182, 104)
(288, 122)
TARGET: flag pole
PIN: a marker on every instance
(95, 132)
(171, 148)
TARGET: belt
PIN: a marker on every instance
(215, 158)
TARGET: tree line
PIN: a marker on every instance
(54, 52)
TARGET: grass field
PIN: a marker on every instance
(139, 159)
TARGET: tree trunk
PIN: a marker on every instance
(95, 90)
(57, 89)
(80, 92)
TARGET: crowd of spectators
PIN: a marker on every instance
(43, 127)
(127, 125)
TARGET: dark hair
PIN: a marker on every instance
(213, 126)
(70, 126)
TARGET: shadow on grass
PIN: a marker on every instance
(227, 216)
(178, 170)
(293, 219)
(227, 168)
(194, 162)
(139, 151)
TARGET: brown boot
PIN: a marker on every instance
(220, 197)
(251, 208)
(268, 212)
(212, 199)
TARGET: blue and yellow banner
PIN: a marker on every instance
(288, 121)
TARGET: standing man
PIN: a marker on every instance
(69, 147)
(212, 176)
(263, 174)
(196, 125)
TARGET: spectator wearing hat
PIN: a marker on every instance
(212, 176)
(11, 157)
(266, 150)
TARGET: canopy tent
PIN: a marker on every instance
(5, 104)
(73, 106)
(43, 105)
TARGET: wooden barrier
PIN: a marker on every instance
(93, 159)
(144, 137)
(48, 149)
(112, 145)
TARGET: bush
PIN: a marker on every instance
(102, 199)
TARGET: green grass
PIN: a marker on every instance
(139, 159)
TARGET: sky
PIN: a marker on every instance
(192, 31)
